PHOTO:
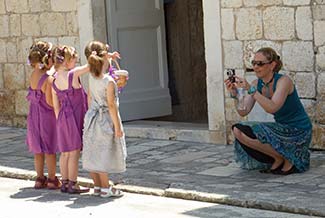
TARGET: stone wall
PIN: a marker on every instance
(21, 23)
(296, 30)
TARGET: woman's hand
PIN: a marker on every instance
(231, 87)
(242, 83)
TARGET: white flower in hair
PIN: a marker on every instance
(94, 52)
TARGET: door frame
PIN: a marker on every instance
(214, 67)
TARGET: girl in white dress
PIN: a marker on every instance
(104, 149)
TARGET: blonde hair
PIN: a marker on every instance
(63, 53)
(40, 52)
(95, 52)
(271, 55)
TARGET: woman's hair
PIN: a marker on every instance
(271, 55)
(95, 52)
(63, 53)
(40, 52)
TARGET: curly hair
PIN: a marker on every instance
(41, 52)
(63, 53)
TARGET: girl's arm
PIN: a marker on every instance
(113, 110)
(79, 71)
(56, 103)
(283, 89)
(114, 55)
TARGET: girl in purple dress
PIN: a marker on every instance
(41, 131)
(70, 106)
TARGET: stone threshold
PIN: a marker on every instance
(192, 132)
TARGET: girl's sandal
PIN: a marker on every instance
(96, 192)
(53, 183)
(74, 189)
(64, 186)
(40, 182)
(111, 192)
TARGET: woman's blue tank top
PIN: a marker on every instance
(292, 112)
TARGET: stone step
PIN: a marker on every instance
(192, 132)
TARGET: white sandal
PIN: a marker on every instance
(106, 193)
(97, 191)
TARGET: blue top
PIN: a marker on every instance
(292, 112)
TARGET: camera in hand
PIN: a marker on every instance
(231, 75)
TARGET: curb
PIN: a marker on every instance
(175, 193)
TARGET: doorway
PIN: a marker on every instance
(186, 61)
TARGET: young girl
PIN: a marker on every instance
(70, 106)
(41, 130)
(104, 143)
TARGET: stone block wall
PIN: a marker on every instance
(296, 30)
(21, 23)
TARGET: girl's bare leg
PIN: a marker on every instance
(41, 180)
(95, 178)
(104, 180)
(64, 157)
(50, 160)
(97, 183)
(73, 164)
(39, 165)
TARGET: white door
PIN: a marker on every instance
(136, 29)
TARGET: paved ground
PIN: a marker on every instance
(193, 171)
(16, 193)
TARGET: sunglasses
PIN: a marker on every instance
(260, 63)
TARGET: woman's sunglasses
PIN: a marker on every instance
(260, 63)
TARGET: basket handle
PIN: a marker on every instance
(115, 62)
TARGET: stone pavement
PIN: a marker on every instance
(192, 170)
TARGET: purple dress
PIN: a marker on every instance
(71, 116)
(41, 130)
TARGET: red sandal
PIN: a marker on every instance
(40, 182)
(53, 183)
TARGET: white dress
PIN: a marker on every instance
(102, 151)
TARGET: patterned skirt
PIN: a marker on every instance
(292, 143)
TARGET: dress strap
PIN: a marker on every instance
(41, 81)
(54, 86)
(70, 78)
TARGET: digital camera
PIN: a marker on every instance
(231, 75)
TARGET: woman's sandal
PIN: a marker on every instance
(74, 189)
(278, 168)
(40, 182)
(112, 192)
(65, 185)
(293, 169)
(53, 183)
